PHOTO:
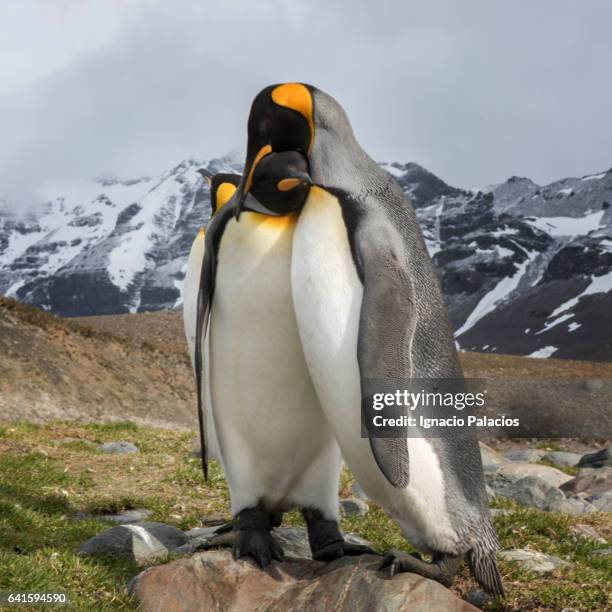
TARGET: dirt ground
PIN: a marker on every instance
(135, 367)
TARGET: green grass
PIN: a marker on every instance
(48, 474)
(39, 538)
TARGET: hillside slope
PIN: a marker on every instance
(51, 368)
(135, 367)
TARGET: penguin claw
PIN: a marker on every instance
(442, 569)
(392, 561)
(261, 546)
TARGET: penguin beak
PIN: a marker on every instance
(247, 179)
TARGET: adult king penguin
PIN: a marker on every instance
(369, 307)
(275, 446)
(222, 187)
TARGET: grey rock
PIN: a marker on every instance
(143, 542)
(199, 532)
(120, 447)
(127, 516)
(598, 459)
(533, 560)
(586, 532)
(532, 492)
(477, 598)
(590, 481)
(491, 459)
(212, 580)
(497, 481)
(527, 455)
(353, 507)
(574, 506)
(294, 541)
(550, 475)
(562, 458)
(602, 501)
(602, 552)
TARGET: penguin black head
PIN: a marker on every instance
(280, 184)
(281, 121)
(222, 187)
(287, 117)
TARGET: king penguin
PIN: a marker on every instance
(369, 307)
(222, 187)
(274, 443)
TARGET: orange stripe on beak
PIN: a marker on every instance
(260, 155)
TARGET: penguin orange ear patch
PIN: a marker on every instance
(225, 192)
(297, 97)
(287, 184)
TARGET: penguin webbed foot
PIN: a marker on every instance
(336, 550)
(252, 536)
(443, 567)
(249, 535)
(259, 545)
(326, 540)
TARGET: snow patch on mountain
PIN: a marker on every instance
(525, 268)
(569, 226)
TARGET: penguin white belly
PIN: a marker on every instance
(327, 294)
(275, 443)
(190, 303)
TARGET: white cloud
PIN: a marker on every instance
(474, 91)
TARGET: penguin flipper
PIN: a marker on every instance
(204, 301)
(387, 318)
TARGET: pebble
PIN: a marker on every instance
(602, 501)
(353, 506)
(590, 480)
(527, 455)
(143, 542)
(573, 506)
(477, 598)
(552, 476)
(586, 532)
(120, 447)
(602, 552)
(532, 492)
(533, 560)
(562, 458)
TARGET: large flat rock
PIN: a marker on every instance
(213, 581)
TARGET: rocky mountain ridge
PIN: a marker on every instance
(526, 269)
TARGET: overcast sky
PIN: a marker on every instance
(474, 90)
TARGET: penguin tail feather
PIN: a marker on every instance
(483, 565)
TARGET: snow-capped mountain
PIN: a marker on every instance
(108, 246)
(526, 269)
